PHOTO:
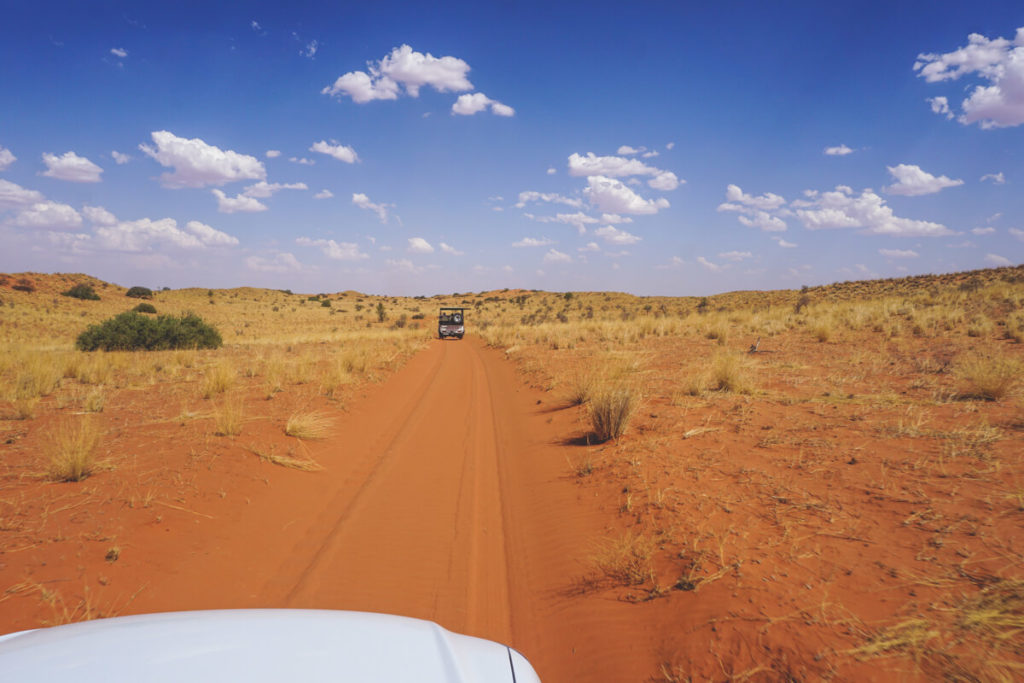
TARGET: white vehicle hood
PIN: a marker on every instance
(258, 645)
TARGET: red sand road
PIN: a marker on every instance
(446, 497)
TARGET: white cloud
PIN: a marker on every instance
(97, 215)
(762, 220)
(997, 61)
(339, 152)
(363, 202)
(197, 164)
(996, 178)
(911, 181)
(255, 25)
(263, 189)
(664, 181)
(119, 52)
(615, 218)
(533, 242)
(1019, 234)
(403, 67)
(13, 195)
(467, 105)
(552, 197)
(611, 196)
(146, 234)
(72, 168)
(650, 154)
(735, 255)
(755, 212)
(579, 219)
(898, 253)
(670, 145)
(303, 161)
(405, 265)
(766, 202)
(119, 158)
(983, 231)
(555, 256)
(940, 105)
(838, 151)
(613, 235)
(323, 194)
(48, 215)
(272, 153)
(310, 49)
(783, 243)
(6, 158)
(841, 209)
(589, 246)
(237, 204)
(418, 245)
(339, 251)
(552, 171)
(610, 166)
(626, 149)
(448, 249)
(713, 267)
(281, 262)
(997, 260)
(209, 236)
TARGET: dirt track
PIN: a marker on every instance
(447, 497)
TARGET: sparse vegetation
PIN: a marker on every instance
(133, 331)
(612, 405)
(71, 449)
(82, 291)
(139, 292)
(145, 308)
(308, 425)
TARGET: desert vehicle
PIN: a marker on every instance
(451, 322)
(258, 645)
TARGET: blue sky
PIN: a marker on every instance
(655, 148)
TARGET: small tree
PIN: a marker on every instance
(145, 308)
(381, 313)
(140, 293)
(82, 291)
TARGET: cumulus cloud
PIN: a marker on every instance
(766, 202)
(1019, 234)
(339, 152)
(983, 231)
(911, 181)
(735, 256)
(310, 49)
(302, 161)
(998, 62)
(997, 260)
(146, 234)
(555, 256)
(48, 215)
(119, 158)
(615, 218)
(552, 197)
(713, 267)
(626, 150)
(237, 204)
(281, 262)
(940, 105)
(404, 67)
(783, 243)
(418, 245)
(71, 167)
(841, 208)
(552, 171)
(6, 158)
(579, 219)
(611, 196)
(263, 189)
(363, 202)
(838, 151)
(198, 164)
(996, 178)
(589, 246)
(610, 166)
(467, 105)
(272, 153)
(119, 52)
(448, 249)
(323, 194)
(339, 251)
(97, 215)
(664, 181)
(755, 211)
(404, 265)
(613, 235)
(533, 242)
(13, 195)
(898, 253)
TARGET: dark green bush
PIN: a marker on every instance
(131, 331)
(140, 293)
(145, 308)
(326, 303)
(82, 291)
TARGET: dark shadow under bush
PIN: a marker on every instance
(133, 331)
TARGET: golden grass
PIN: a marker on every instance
(626, 560)
(729, 372)
(309, 425)
(217, 379)
(990, 378)
(228, 416)
(612, 404)
(71, 449)
(289, 461)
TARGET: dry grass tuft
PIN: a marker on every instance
(580, 386)
(289, 461)
(71, 449)
(612, 405)
(228, 416)
(626, 560)
(729, 372)
(309, 425)
(991, 378)
(217, 380)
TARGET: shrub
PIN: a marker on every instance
(82, 291)
(988, 378)
(140, 293)
(145, 308)
(132, 331)
(728, 373)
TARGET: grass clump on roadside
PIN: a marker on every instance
(71, 450)
(626, 560)
(990, 379)
(228, 417)
(132, 331)
(308, 425)
(612, 406)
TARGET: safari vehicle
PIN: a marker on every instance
(256, 645)
(451, 322)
